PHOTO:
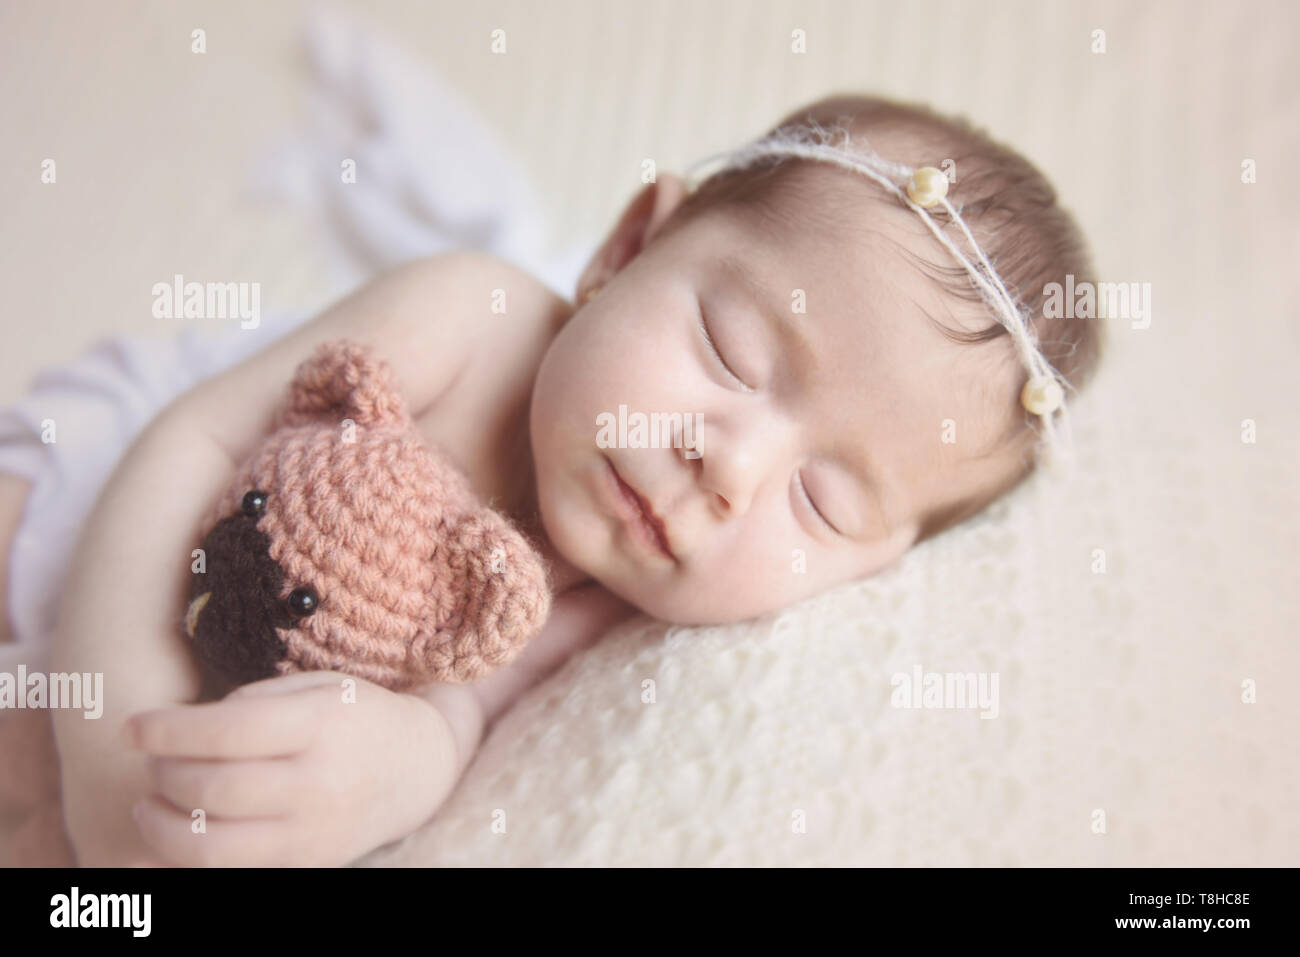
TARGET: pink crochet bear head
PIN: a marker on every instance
(346, 544)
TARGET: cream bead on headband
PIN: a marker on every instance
(922, 190)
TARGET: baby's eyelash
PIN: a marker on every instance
(704, 328)
(813, 505)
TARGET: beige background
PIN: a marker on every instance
(1145, 143)
(153, 142)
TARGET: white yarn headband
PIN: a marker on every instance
(921, 189)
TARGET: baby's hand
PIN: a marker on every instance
(311, 769)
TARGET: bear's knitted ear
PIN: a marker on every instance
(344, 379)
(499, 589)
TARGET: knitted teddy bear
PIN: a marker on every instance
(344, 543)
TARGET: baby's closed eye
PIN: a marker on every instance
(807, 498)
(713, 347)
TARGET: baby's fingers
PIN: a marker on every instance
(251, 842)
(246, 727)
(228, 789)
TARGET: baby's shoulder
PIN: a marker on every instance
(491, 286)
(464, 309)
(500, 321)
(514, 315)
(469, 288)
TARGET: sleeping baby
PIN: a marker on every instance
(838, 338)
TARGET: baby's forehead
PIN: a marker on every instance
(868, 271)
(821, 216)
(874, 313)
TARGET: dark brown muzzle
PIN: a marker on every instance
(235, 605)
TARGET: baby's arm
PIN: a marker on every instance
(117, 616)
(122, 601)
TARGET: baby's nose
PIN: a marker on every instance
(736, 461)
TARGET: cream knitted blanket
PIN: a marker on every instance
(1121, 736)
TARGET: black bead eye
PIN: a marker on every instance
(302, 602)
(254, 503)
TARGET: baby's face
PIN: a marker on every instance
(819, 434)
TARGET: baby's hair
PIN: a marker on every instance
(1007, 203)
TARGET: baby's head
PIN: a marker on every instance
(847, 391)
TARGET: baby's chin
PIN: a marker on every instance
(685, 600)
(582, 540)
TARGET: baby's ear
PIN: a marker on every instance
(344, 379)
